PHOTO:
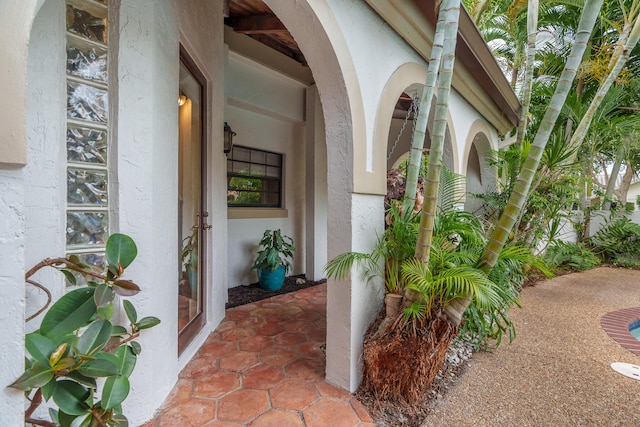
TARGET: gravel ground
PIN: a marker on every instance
(557, 371)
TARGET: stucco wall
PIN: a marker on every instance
(266, 110)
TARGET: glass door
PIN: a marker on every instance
(192, 218)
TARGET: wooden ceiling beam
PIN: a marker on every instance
(257, 24)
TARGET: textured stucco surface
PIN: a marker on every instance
(557, 371)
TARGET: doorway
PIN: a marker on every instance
(192, 216)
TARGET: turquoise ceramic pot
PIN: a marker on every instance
(271, 280)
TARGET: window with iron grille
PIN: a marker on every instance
(254, 178)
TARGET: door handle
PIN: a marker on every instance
(206, 227)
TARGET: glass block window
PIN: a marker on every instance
(87, 139)
(254, 178)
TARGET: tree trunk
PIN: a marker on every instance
(520, 193)
(615, 171)
(420, 129)
(427, 217)
(532, 31)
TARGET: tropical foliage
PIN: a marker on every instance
(78, 358)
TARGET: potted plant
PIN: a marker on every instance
(274, 259)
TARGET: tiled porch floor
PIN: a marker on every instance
(263, 366)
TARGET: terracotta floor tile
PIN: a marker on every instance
(236, 315)
(217, 385)
(305, 369)
(317, 335)
(311, 350)
(288, 339)
(199, 366)
(262, 377)
(251, 322)
(278, 419)
(270, 330)
(302, 326)
(192, 412)
(277, 355)
(182, 390)
(242, 405)
(239, 373)
(236, 334)
(327, 390)
(361, 411)
(239, 361)
(257, 343)
(218, 348)
(224, 424)
(330, 413)
(291, 394)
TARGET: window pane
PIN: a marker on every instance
(85, 24)
(247, 184)
(86, 102)
(96, 262)
(242, 154)
(86, 228)
(274, 159)
(273, 172)
(271, 199)
(86, 187)
(240, 167)
(86, 145)
(258, 170)
(244, 197)
(258, 157)
(86, 61)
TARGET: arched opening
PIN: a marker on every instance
(481, 175)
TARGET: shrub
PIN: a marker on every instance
(618, 242)
(570, 256)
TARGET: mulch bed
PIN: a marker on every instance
(241, 295)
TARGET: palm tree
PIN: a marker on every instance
(455, 309)
(420, 128)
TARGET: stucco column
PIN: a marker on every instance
(12, 288)
(352, 304)
(316, 188)
(146, 134)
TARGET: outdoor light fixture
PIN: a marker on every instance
(228, 138)
(182, 100)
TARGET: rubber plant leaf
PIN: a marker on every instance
(98, 368)
(103, 295)
(94, 338)
(125, 288)
(126, 360)
(39, 347)
(121, 250)
(70, 397)
(36, 376)
(72, 311)
(115, 390)
(132, 314)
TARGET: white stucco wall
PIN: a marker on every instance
(266, 110)
(12, 288)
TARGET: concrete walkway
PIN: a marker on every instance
(557, 371)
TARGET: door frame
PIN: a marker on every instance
(197, 323)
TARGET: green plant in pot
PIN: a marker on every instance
(274, 259)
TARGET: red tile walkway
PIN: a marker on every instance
(263, 366)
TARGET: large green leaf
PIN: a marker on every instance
(98, 368)
(82, 379)
(72, 311)
(121, 250)
(70, 397)
(38, 346)
(94, 338)
(148, 322)
(83, 421)
(115, 390)
(103, 295)
(48, 389)
(127, 360)
(119, 420)
(125, 288)
(132, 314)
(36, 376)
